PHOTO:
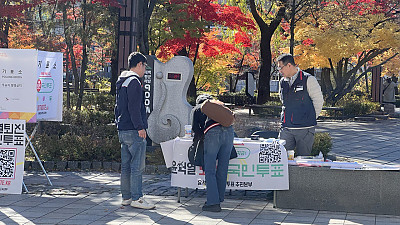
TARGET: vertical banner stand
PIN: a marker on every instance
(29, 139)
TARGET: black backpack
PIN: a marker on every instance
(196, 152)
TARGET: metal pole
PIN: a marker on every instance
(26, 189)
(179, 194)
(34, 151)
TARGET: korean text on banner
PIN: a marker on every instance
(12, 155)
(18, 84)
(49, 86)
(259, 166)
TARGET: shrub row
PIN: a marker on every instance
(83, 135)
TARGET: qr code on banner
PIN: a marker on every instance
(7, 163)
(270, 153)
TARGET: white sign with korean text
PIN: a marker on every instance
(18, 80)
(31, 85)
(259, 166)
(12, 155)
(49, 86)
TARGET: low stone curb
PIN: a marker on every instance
(88, 166)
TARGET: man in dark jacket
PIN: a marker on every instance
(131, 119)
(302, 101)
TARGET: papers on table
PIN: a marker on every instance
(337, 165)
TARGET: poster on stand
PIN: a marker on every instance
(12, 155)
(31, 85)
(18, 84)
(49, 86)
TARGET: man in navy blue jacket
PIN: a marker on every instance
(131, 119)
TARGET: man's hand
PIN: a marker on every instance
(142, 133)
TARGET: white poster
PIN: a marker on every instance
(31, 85)
(259, 166)
(12, 155)
(49, 86)
(17, 82)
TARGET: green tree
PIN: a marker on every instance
(84, 24)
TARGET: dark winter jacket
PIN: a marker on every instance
(200, 121)
(130, 112)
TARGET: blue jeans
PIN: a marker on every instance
(218, 143)
(133, 155)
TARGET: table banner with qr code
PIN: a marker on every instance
(12, 155)
(259, 166)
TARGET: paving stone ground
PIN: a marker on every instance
(94, 197)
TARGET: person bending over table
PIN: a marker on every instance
(218, 143)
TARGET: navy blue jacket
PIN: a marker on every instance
(298, 109)
(130, 111)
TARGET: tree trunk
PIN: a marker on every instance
(67, 75)
(83, 76)
(192, 92)
(84, 59)
(70, 48)
(292, 25)
(265, 69)
(74, 68)
(5, 25)
(326, 84)
(366, 82)
(114, 56)
(145, 10)
(230, 83)
(114, 72)
(267, 30)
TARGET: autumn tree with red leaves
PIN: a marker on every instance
(12, 13)
(186, 24)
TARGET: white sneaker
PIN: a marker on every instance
(126, 201)
(142, 204)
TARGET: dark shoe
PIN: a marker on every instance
(212, 208)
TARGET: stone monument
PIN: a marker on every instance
(171, 111)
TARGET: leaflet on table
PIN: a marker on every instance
(343, 165)
(167, 148)
(380, 167)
